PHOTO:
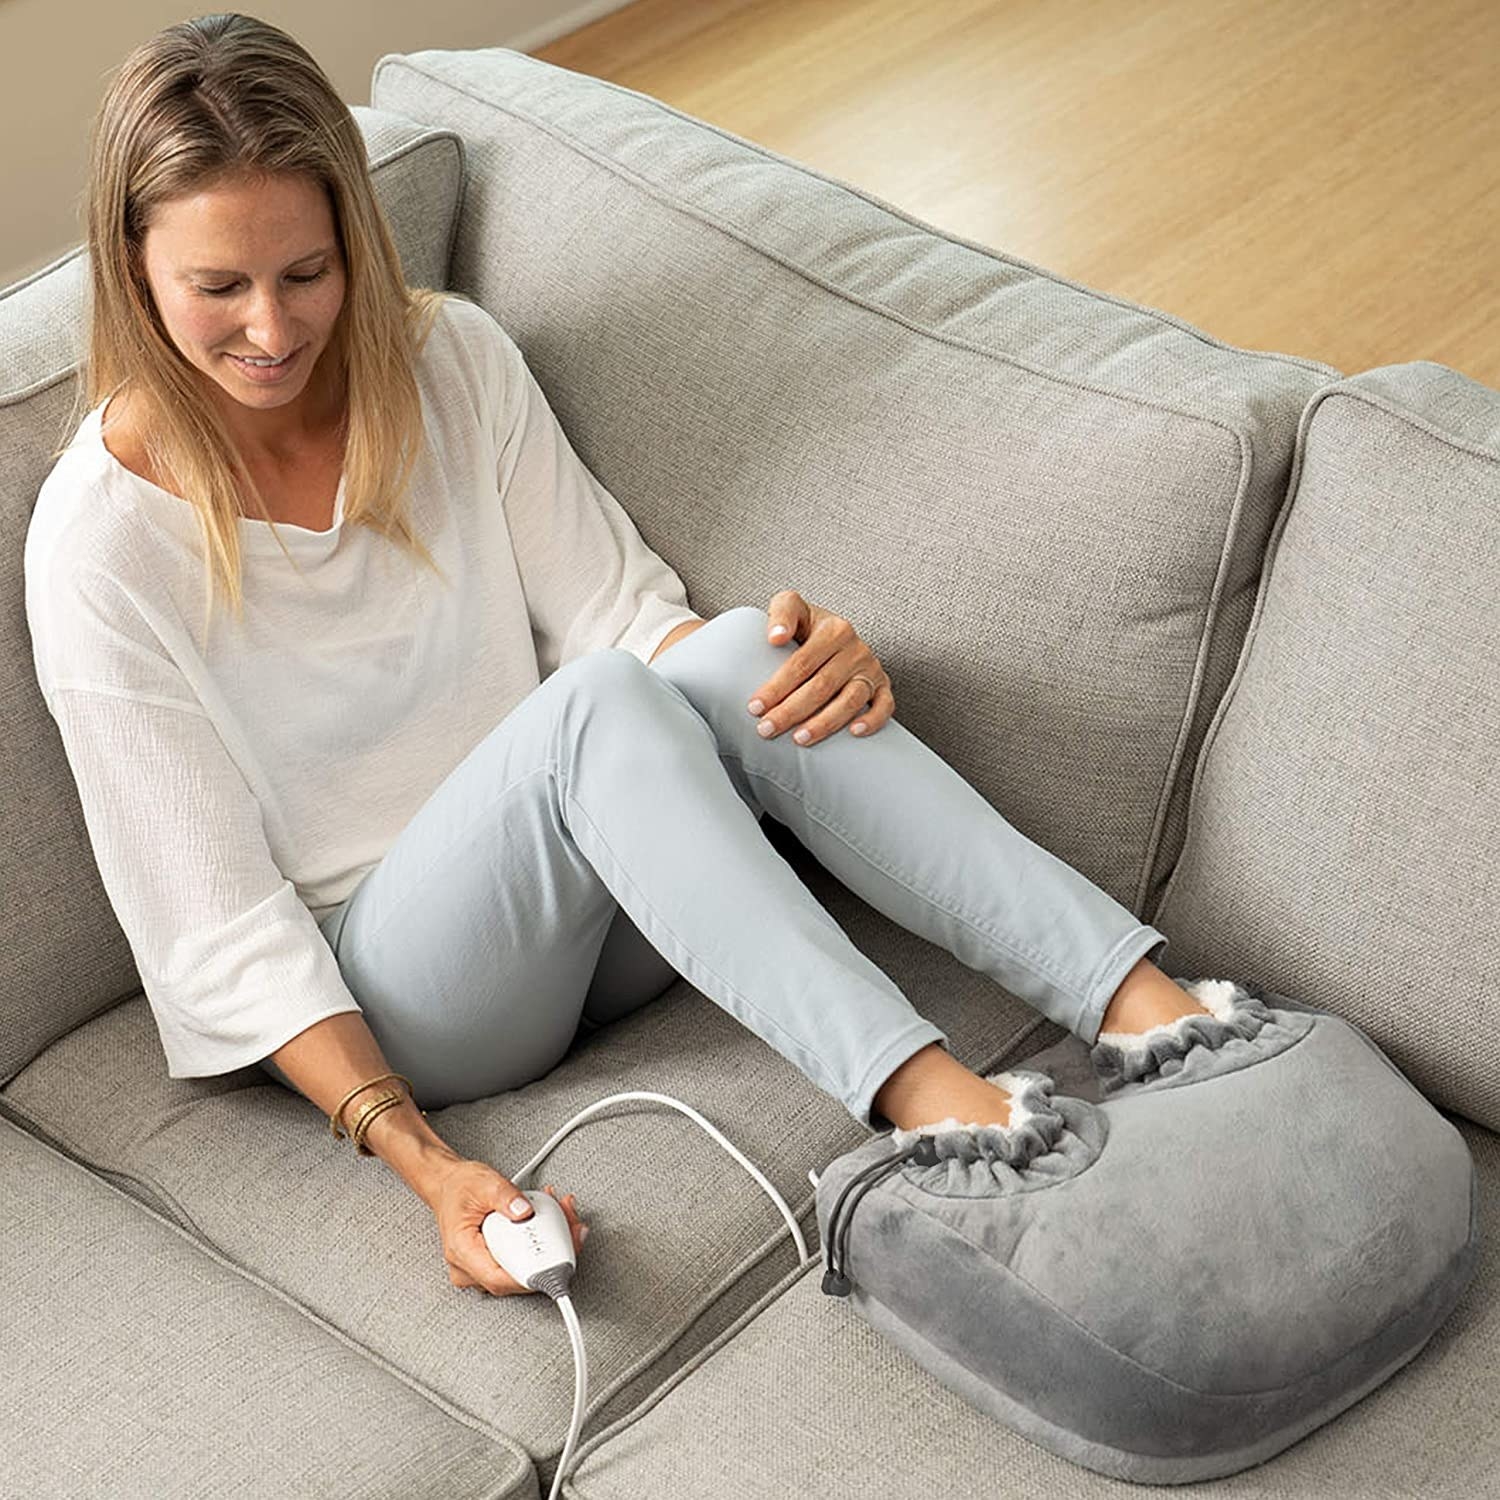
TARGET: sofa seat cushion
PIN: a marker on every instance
(1045, 507)
(103, 1296)
(804, 1397)
(683, 1238)
(1344, 834)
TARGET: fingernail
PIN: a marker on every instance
(756, 707)
(778, 630)
(765, 728)
(583, 1234)
(520, 1206)
(802, 736)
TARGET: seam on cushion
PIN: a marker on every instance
(41, 272)
(431, 133)
(1213, 609)
(33, 1127)
(44, 384)
(1340, 388)
(710, 1299)
(451, 137)
(202, 1243)
(1212, 617)
(405, 60)
(771, 1295)
(1247, 646)
(703, 215)
(460, 205)
(1384, 403)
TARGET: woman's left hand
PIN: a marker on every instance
(822, 685)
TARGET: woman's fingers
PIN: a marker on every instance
(575, 1221)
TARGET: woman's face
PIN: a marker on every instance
(250, 267)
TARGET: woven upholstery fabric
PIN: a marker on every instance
(1344, 840)
(103, 1298)
(200, 1149)
(64, 957)
(1044, 508)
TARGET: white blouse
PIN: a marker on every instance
(236, 789)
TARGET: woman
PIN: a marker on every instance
(420, 810)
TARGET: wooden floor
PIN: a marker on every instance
(1316, 179)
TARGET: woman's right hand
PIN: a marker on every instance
(467, 1193)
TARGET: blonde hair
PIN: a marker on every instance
(225, 98)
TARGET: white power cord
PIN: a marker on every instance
(580, 1389)
(565, 1303)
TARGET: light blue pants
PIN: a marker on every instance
(604, 838)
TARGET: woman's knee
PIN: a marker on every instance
(726, 658)
(742, 628)
(612, 676)
(602, 670)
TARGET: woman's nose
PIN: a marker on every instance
(269, 327)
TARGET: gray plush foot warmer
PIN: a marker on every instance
(1254, 1221)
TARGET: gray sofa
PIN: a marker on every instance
(1220, 628)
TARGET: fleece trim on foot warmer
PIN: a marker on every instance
(1122, 1057)
(1035, 1124)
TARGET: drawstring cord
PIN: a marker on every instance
(835, 1280)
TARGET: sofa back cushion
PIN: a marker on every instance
(63, 957)
(1344, 832)
(1044, 508)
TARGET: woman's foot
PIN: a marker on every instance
(932, 1085)
(1148, 998)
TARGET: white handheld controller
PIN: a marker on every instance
(528, 1250)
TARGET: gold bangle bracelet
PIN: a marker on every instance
(362, 1125)
(334, 1118)
(376, 1101)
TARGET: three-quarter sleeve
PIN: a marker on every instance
(232, 962)
(589, 578)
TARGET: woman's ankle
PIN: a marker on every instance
(1147, 997)
(932, 1085)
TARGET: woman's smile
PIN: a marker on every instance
(266, 374)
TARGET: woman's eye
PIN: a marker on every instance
(219, 291)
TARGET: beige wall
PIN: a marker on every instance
(56, 59)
